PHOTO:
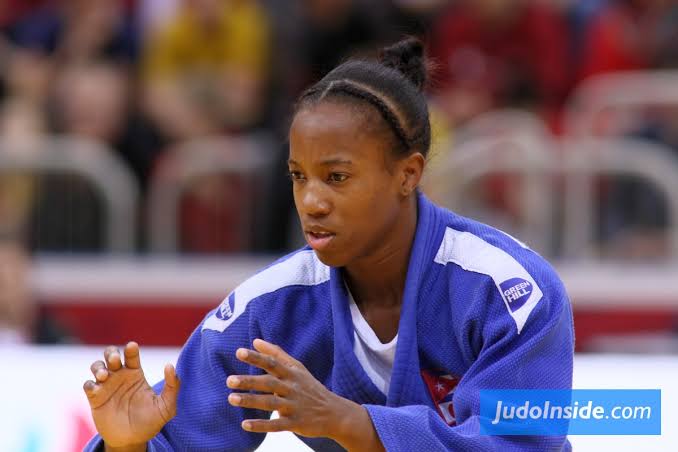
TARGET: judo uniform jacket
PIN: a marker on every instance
(480, 310)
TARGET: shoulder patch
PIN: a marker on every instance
(301, 269)
(515, 285)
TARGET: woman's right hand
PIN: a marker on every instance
(126, 411)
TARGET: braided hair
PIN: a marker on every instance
(393, 86)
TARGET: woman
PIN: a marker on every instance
(468, 307)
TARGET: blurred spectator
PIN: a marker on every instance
(154, 14)
(58, 203)
(313, 36)
(501, 53)
(79, 33)
(95, 100)
(206, 69)
(627, 35)
(49, 40)
(332, 30)
(206, 72)
(618, 35)
(22, 124)
(11, 11)
(414, 17)
(78, 30)
(91, 100)
(21, 319)
(496, 55)
(28, 75)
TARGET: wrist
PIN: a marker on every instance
(132, 448)
(353, 428)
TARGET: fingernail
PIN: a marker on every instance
(246, 425)
(234, 399)
(233, 381)
(242, 353)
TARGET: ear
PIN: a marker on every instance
(410, 169)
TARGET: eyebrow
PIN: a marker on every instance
(328, 162)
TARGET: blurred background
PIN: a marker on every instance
(143, 148)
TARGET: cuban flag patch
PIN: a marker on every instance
(441, 387)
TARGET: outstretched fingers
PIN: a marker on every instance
(171, 378)
(99, 371)
(267, 425)
(266, 402)
(90, 388)
(132, 357)
(106, 376)
(264, 362)
(170, 391)
(276, 352)
(262, 383)
(112, 357)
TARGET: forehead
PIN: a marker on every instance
(335, 128)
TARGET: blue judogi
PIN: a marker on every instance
(480, 311)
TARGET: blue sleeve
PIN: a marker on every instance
(205, 420)
(539, 357)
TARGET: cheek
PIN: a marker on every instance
(295, 195)
(372, 212)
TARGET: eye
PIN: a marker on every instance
(337, 177)
(295, 176)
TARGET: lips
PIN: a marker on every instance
(319, 238)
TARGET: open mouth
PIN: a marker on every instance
(319, 240)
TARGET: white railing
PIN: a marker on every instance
(586, 159)
(626, 92)
(249, 157)
(537, 166)
(526, 159)
(97, 164)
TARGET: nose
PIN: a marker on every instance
(314, 201)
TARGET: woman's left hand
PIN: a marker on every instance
(305, 405)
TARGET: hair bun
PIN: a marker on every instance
(407, 57)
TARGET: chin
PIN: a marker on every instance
(331, 259)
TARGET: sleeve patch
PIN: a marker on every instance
(516, 286)
(304, 268)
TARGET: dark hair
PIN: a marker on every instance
(393, 86)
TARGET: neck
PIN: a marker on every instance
(379, 279)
